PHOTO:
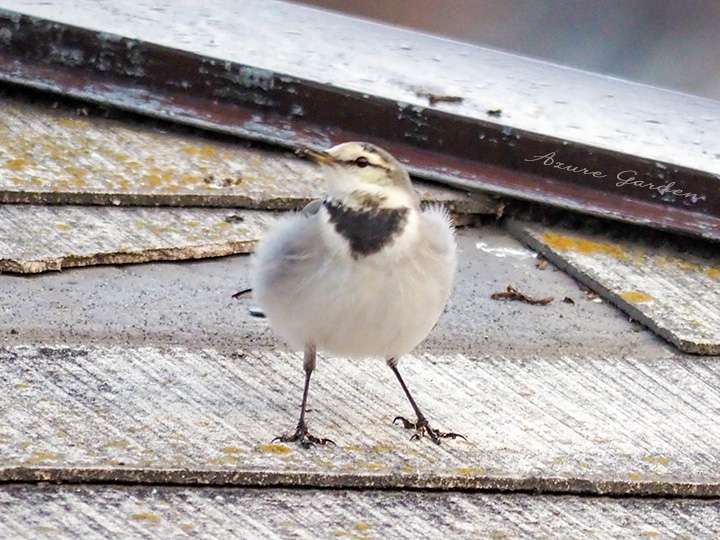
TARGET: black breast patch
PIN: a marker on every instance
(368, 230)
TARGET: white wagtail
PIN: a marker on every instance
(363, 272)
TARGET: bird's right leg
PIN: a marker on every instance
(301, 434)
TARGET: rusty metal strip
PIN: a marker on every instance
(261, 104)
(98, 511)
(202, 416)
(671, 288)
(53, 153)
(37, 239)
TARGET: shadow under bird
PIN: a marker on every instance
(364, 272)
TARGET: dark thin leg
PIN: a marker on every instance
(421, 425)
(301, 434)
(308, 374)
(418, 412)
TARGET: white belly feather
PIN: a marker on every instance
(383, 304)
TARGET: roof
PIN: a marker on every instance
(150, 397)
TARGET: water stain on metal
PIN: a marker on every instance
(672, 289)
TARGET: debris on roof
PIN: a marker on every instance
(46, 238)
(672, 291)
(511, 293)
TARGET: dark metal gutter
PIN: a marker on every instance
(263, 105)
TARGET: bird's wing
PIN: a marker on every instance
(438, 230)
(312, 208)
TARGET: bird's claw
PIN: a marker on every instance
(303, 438)
(422, 428)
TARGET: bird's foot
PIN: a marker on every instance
(422, 428)
(304, 438)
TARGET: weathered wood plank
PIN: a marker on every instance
(56, 156)
(31, 511)
(580, 424)
(41, 238)
(670, 289)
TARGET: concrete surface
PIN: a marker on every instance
(191, 304)
(102, 512)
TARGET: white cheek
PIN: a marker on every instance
(396, 197)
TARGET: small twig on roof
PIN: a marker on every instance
(511, 293)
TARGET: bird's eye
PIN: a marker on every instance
(362, 162)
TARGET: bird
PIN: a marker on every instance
(364, 272)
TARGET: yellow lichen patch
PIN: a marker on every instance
(147, 517)
(651, 534)
(637, 297)
(224, 460)
(372, 466)
(21, 386)
(77, 172)
(63, 227)
(232, 450)
(562, 242)
(152, 180)
(634, 476)
(117, 443)
(469, 471)
(190, 179)
(205, 152)
(361, 526)
(279, 449)
(39, 456)
(187, 526)
(382, 448)
(16, 164)
(713, 272)
(656, 459)
(71, 123)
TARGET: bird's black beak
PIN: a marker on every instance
(318, 156)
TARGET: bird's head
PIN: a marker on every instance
(358, 172)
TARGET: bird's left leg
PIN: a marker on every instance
(421, 425)
(301, 434)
